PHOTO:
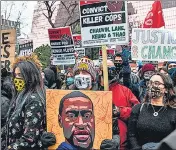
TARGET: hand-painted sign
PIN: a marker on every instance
(81, 119)
(153, 44)
(104, 23)
(62, 46)
(8, 42)
(79, 50)
(110, 54)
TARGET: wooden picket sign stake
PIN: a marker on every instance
(105, 68)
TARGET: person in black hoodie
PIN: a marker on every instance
(50, 78)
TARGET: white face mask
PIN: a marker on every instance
(83, 82)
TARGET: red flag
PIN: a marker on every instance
(154, 17)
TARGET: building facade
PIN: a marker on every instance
(40, 24)
(137, 11)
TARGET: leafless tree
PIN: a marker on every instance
(50, 7)
(67, 13)
(9, 12)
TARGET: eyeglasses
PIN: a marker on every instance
(156, 84)
(172, 66)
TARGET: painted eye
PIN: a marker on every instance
(71, 116)
(87, 116)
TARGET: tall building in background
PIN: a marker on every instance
(40, 24)
(137, 11)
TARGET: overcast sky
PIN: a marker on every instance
(27, 13)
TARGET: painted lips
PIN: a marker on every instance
(81, 135)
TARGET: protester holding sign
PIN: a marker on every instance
(155, 119)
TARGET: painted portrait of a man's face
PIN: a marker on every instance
(80, 120)
(76, 117)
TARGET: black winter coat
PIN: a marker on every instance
(25, 123)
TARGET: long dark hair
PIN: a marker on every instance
(170, 96)
(30, 73)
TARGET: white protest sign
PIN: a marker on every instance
(104, 23)
(153, 44)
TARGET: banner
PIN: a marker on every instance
(81, 119)
(153, 44)
(79, 50)
(62, 46)
(8, 44)
(26, 49)
(104, 23)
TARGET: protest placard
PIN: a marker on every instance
(26, 49)
(79, 50)
(62, 46)
(8, 42)
(110, 54)
(153, 44)
(81, 119)
(104, 23)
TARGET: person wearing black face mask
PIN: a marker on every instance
(155, 119)
(126, 77)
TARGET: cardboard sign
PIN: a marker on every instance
(153, 44)
(104, 23)
(8, 42)
(26, 49)
(62, 46)
(79, 50)
(83, 118)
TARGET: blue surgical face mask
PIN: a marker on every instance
(69, 81)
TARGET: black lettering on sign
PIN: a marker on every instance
(6, 51)
(5, 38)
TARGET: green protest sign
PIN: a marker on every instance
(153, 44)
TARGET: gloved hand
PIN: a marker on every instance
(125, 56)
(48, 139)
(111, 144)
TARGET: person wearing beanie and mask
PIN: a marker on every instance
(153, 120)
(146, 72)
(171, 66)
(123, 101)
(26, 115)
(85, 75)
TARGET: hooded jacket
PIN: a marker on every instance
(50, 78)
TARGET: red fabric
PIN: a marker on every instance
(124, 99)
(154, 17)
(122, 134)
(148, 67)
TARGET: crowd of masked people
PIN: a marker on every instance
(144, 102)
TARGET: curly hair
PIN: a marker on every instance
(33, 58)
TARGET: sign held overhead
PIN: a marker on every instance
(104, 23)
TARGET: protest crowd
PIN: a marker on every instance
(143, 99)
